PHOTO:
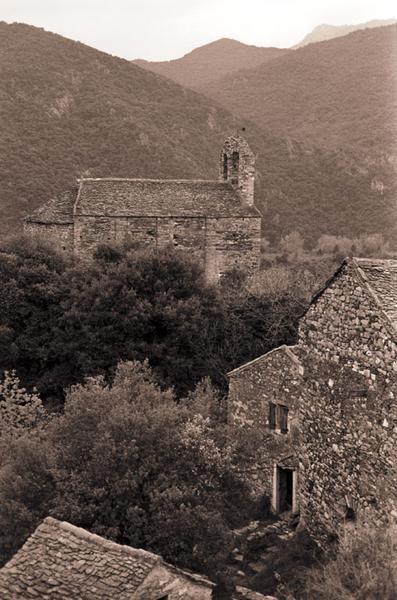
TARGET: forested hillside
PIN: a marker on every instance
(211, 62)
(336, 93)
(67, 110)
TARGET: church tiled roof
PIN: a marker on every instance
(144, 197)
(160, 198)
(66, 562)
(58, 210)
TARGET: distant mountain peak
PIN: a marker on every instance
(212, 61)
(324, 31)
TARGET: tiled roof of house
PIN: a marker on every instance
(58, 210)
(66, 562)
(381, 277)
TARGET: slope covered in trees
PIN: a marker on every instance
(211, 62)
(336, 93)
(67, 110)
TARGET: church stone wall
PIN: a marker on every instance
(61, 235)
(232, 243)
(219, 244)
(91, 231)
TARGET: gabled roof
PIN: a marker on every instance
(289, 351)
(58, 210)
(160, 198)
(378, 277)
(381, 278)
(66, 562)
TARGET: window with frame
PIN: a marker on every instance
(278, 417)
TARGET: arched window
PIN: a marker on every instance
(235, 167)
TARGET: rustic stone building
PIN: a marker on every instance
(337, 389)
(62, 561)
(215, 221)
(263, 395)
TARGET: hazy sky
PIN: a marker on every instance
(164, 29)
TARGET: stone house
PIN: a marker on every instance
(216, 222)
(66, 562)
(264, 395)
(338, 387)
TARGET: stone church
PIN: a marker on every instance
(326, 408)
(216, 222)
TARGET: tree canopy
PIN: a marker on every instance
(62, 321)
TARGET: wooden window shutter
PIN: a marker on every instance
(272, 415)
(283, 418)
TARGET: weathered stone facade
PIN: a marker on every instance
(348, 410)
(215, 222)
(267, 384)
(62, 561)
(341, 394)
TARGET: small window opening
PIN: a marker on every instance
(235, 167)
(225, 167)
(278, 417)
(350, 514)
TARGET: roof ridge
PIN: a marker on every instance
(99, 541)
(285, 347)
(375, 261)
(154, 180)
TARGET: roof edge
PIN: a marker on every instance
(153, 180)
(288, 349)
(83, 534)
(355, 263)
(372, 292)
(122, 548)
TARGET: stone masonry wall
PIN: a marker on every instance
(218, 244)
(348, 410)
(171, 583)
(58, 234)
(237, 165)
(275, 377)
(231, 243)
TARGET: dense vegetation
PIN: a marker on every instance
(125, 461)
(56, 126)
(62, 321)
(364, 567)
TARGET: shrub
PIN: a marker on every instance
(364, 568)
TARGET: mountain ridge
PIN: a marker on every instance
(324, 32)
(211, 61)
(336, 93)
(69, 110)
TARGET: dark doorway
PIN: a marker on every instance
(285, 489)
